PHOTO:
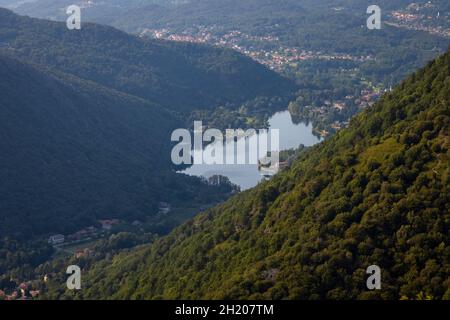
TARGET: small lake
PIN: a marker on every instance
(247, 176)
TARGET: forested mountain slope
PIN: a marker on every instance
(333, 27)
(180, 76)
(73, 151)
(135, 14)
(375, 193)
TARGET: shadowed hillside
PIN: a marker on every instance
(74, 151)
(182, 77)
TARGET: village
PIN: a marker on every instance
(266, 50)
(79, 245)
(60, 241)
(252, 46)
(421, 17)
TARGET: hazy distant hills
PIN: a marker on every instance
(295, 21)
(181, 77)
(375, 193)
(194, 11)
(331, 26)
(239, 14)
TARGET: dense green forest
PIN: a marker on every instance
(182, 77)
(333, 26)
(86, 119)
(74, 152)
(92, 119)
(374, 58)
(375, 193)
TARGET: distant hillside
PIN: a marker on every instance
(179, 76)
(330, 26)
(375, 193)
(73, 151)
(139, 13)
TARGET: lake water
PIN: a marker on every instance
(248, 176)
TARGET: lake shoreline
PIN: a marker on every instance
(292, 135)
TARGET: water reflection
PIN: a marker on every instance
(247, 176)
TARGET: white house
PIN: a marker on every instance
(56, 239)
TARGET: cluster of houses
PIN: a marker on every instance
(237, 40)
(92, 232)
(368, 98)
(83, 234)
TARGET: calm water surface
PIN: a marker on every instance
(247, 176)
